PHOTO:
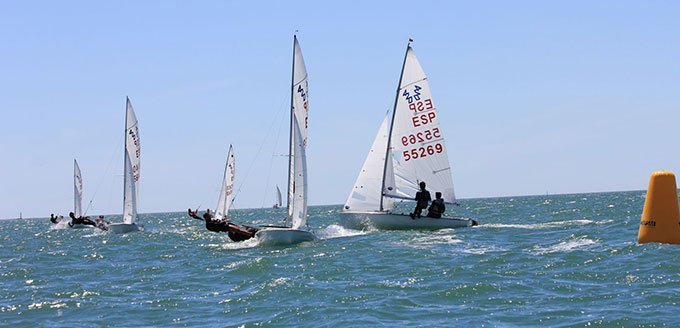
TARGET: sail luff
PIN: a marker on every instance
(224, 201)
(77, 189)
(388, 152)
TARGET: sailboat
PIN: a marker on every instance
(278, 198)
(297, 163)
(77, 195)
(130, 174)
(410, 150)
(224, 202)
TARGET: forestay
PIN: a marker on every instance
(131, 171)
(366, 193)
(299, 109)
(224, 201)
(77, 190)
(418, 146)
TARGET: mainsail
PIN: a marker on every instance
(131, 172)
(223, 203)
(77, 190)
(417, 144)
(366, 193)
(297, 206)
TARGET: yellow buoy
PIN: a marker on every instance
(660, 217)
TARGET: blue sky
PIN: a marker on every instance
(534, 96)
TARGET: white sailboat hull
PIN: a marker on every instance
(123, 227)
(283, 236)
(393, 221)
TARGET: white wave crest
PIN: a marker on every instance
(336, 231)
(538, 225)
(564, 246)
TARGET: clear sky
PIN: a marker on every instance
(534, 96)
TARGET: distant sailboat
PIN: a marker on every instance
(224, 202)
(130, 175)
(278, 198)
(77, 195)
(297, 164)
(394, 169)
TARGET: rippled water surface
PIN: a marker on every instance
(564, 260)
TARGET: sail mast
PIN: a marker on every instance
(388, 156)
(290, 136)
(125, 156)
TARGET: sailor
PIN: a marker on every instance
(102, 224)
(80, 220)
(422, 200)
(235, 232)
(437, 208)
(54, 219)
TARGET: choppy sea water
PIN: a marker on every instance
(557, 260)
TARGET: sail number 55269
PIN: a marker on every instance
(416, 153)
(420, 137)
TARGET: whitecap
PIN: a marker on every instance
(545, 225)
(564, 246)
(336, 231)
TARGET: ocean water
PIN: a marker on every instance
(541, 261)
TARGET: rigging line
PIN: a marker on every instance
(101, 180)
(271, 160)
(250, 167)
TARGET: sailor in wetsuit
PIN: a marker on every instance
(54, 219)
(80, 220)
(235, 232)
(437, 208)
(102, 224)
(422, 200)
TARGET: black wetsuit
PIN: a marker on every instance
(54, 219)
(422, 199)
(81, 220)
(436, 209)
(234, 232)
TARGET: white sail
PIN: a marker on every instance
(299, 192)
(224, 201)
(299, 109)
(366, 193)
(278, 196)
(131, 172)
(77, 190)
(418, 147)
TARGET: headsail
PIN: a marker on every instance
(365, 195)
(77, 190)
(131, 172)
(299, 108)
(224, 202)
(299, 205)
(417, 143)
